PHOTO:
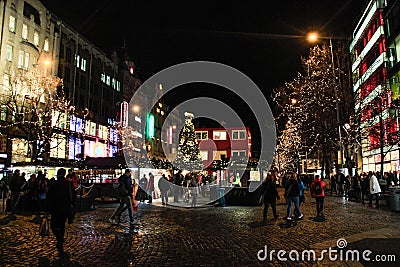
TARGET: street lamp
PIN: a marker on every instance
(313, 37)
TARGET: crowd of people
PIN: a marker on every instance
(29, 194)
(360, 188)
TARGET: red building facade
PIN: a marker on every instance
(221, 143)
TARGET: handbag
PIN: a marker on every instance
(44, 227)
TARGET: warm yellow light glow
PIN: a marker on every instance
(160, 105)
(312, 37)
(47, 62)
(158, 110)
(136, 108)
(162, 112)
(294, 101)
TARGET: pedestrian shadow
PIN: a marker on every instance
(287, 224)
(64, 260)
(8, 219)
(257, 224)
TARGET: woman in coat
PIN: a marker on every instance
(374, 189)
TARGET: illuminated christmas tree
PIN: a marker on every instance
(188, 157)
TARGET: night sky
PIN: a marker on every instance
(260, 39)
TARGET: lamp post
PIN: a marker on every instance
(313, 37)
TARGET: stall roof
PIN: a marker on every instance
(108, 163)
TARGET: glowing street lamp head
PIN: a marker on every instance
(136, 108)
(294, 101)
(47, 62)
(312, 37)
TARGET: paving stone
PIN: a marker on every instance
(211, 236)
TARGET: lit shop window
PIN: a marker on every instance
(219, 135)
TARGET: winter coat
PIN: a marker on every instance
(61, 197)
(150, 184)
(374, 187)
(15, 183)
(292, 188)
(312, 188)
(163, 184)
(269, 190)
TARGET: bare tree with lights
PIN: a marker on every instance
(309, 101)
(34, 109)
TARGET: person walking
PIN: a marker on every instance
(292, 193)
(15, 185)
(374, 189)
(317, 190)
(142, 188)
(333, 185)
(268, 189)
(194, 190)
(177, 181)
(125, 191)
(150, 188)
(163, 185)
(42, 186)
(61, 202)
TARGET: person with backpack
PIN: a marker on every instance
(125, 191)
(317, 190)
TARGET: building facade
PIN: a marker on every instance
(375, 84)
(221, 143)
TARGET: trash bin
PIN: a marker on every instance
(394, 198)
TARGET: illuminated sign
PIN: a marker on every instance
(124, 114)
(150, 126)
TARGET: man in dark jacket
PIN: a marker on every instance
(61, 201)
(125, 195)
(15, 184)
(292, 193)
(270, 196)
(163, 185)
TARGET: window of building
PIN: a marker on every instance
(118, 86)
(113, 83)
(24, 31)
(220, 154)
(36, 38)
(46, 45)
(9, 53)
(11, 24)
(77, 60)
(238, 153)
(21, 56)
(103, 78)
(27, 60)
(3, 113)
(204, 154)
(239, 135)
(108, 81)
(201, 135)
(83, 64)
(6, 82)
(219, 135)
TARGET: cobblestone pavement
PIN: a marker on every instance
(208, 236)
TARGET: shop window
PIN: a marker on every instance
(219, 135)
